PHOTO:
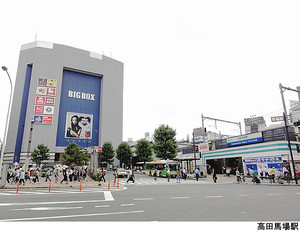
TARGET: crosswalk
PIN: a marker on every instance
(54, 191)
(160, 181)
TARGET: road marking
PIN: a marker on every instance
(102, 206)
(142, 199)
(50, 202)
(108, 196)
(213, 196)
(179, 198)
(274, 194)
(70, 216)
(25, 192)
(127, 204)
(7, 194)
(47, 208)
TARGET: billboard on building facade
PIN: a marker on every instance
(79, 109)
(79, 125)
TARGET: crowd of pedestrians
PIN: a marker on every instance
(32, 175)
(18, 175)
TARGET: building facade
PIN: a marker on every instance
(63, 95)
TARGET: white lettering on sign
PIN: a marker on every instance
(81, 95)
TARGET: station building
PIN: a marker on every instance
(258, 150)
(62, 95)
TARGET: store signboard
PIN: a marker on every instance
(204, 147)
(245, 139)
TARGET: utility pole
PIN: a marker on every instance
(282, 88)
(194, 149)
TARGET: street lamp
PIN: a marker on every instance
(7, 117)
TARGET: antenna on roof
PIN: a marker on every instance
(35, 36)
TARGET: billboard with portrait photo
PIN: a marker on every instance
(78, 125)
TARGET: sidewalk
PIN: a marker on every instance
(232, 179)
(87, 183)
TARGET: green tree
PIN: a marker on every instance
(124, 153)
(40, 154)
(74, 154)
(144, 150)
(107, 154)
(165, 145)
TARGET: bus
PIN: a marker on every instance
(162, 167)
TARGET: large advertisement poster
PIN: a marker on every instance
(79, 125)
(79, 109)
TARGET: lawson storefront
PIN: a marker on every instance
(252, 150)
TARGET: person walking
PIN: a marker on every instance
(65, 177)
(272, 173)
(214, 175)
(56, 175)
(102, 175)
(197, 173)
(178, 177)
(131, 176)
(238, 176)
(155, 173)
(184, 174)
(48, 175)
(8, 176)
(168, 175)
(22, 177)
(37, 173)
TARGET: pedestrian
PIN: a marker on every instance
(155, 173)
(131, 176)
(228, 171)
(197, 173)
(214, 175)
(8, 175)
(56, 175)
(272, 173)
(102, 175)
(71, 175)
(184, 174)
(22, 177)
(28, 175)
(178, 177)
(37, 175)
(238, 176)
(65, 177)
(17, 177)
(48, 175)
(168, 174)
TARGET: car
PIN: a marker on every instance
(121, 172)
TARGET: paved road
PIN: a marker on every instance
(149, 200)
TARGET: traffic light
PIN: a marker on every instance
(297, 123)
(298, 148)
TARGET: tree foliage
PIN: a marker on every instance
(144, 150)
(165, 145)
(107, 155)
(74, 154)
(40, 154)
(124, 153)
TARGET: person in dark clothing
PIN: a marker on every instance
(65, 176)
(214, 175)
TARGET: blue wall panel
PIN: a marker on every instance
(80, 96)
(22, 117)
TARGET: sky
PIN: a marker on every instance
(222, 59)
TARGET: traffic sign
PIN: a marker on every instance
(99, 149)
